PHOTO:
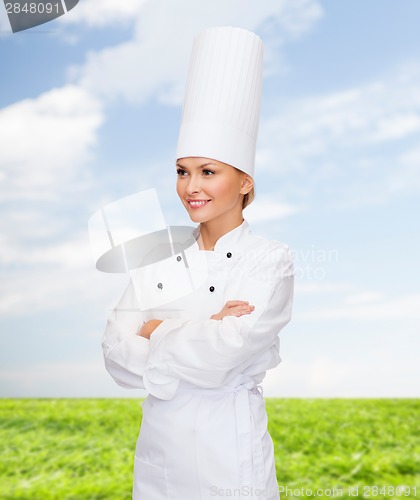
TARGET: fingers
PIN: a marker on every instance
(233, 303)
(239, 313)
(239, 310)
(234, 308)
(247, 309)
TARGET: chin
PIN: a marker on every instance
(197, 219)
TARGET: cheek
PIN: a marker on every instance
(179, 189)
(227, 189)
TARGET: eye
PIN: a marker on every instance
(180, 172)
(207, 172)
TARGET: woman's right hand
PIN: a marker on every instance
(234, 308)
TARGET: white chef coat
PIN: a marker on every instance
(204, 427)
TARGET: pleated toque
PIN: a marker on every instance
(221, 108)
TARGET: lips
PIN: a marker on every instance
(197, 203)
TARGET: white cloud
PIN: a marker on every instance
(46, 145)
(386, 374)
(103, 13)
(47, 290)
(407, 307)
(58, 274)
(405, 177)
(364, 298)
(70, 378)
(362, 141)
(320, 288)
(397, 126)
(376, 112)
(268, 210)
(292, 16)
(42, 372)
(154, 63)
(72, 253)
(46, 141)
(57, 379)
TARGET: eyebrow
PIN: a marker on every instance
(200, 166)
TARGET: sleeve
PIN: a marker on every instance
(125, 352)
(206, 352)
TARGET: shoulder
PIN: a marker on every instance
(264, 257)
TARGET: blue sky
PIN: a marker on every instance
(89, 112)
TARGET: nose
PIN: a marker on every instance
(193, 185)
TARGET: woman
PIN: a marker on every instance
(202, 357)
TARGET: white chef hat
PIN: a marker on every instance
(222, 100)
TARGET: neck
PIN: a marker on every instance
(212, 230)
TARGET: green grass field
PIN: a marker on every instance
(83, 448)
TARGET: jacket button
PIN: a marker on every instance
(228, 255)
(179, 258)
(160, 286)
(211, 288)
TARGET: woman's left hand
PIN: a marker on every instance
(148, 328)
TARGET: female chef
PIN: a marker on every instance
(202, 356)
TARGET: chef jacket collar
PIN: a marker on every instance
(230, 240)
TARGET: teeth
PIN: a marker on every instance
(197, 203)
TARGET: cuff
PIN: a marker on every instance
(132, 353)
(156, 378)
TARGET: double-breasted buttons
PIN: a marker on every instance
(229, 255)
(211, 288)
(160, 285)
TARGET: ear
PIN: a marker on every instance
(247, 184)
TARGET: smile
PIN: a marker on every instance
(197, 203)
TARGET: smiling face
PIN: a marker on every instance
(211, 190)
